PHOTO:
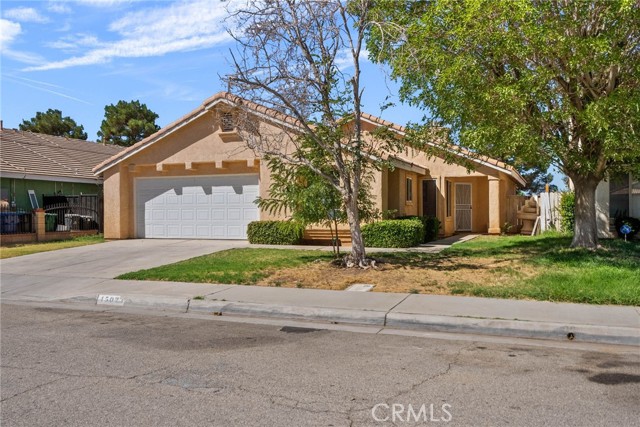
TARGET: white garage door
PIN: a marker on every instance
(209, 207)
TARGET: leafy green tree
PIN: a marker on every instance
(544, 81)
(307, 197)
(536, 178)
(52, 123)
(127, 123)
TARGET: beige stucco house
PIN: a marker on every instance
(196, 178)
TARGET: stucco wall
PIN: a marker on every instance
(199, 148)
(194, 150)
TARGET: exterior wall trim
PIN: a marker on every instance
(53, 178)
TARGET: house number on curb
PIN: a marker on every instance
(110, 300)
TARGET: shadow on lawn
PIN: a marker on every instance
(546, 250)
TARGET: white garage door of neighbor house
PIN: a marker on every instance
(211, 207)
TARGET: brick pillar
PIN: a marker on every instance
(40, 225)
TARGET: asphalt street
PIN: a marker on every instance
(63, 367)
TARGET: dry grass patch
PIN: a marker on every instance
(424, 274)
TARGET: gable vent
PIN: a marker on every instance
(226, 122)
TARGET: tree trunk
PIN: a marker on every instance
(585, 231)
(358, 255)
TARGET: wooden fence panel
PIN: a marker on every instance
(549, 211)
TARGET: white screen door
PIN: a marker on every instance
(463, 207)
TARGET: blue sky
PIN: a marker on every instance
(80, 56)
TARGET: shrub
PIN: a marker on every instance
(275, 232)
(393, 233)
(431, 226)
(633, 223)
(567, 212)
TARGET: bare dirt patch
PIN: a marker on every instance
(428, 276)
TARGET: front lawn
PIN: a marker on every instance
(541, 268)
(32, 248)
(236, 266)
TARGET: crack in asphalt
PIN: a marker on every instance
(65, 375)
(32, 388)
(432, 377)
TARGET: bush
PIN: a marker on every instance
(567, 212)
(431, 226)
(393, 233)
(275, 232)
(633, 223)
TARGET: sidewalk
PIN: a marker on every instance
(528, 319)
(79, 275)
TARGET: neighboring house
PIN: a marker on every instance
(195, 178)
(617, 196)
(48, 165)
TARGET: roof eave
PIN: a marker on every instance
(205, 107)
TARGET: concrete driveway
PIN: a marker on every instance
(74, 268)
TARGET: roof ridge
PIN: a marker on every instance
(43, 156)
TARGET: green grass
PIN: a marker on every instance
(239, 266)
(609, 275)
(541, 268)
(32, 248)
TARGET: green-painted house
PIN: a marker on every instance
(48, 165)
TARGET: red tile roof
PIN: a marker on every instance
(288, 120)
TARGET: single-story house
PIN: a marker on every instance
(196, 178)
(619, 195)
(47, 165)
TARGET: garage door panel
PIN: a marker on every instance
(217, 207)
(234, 232)
(187, 214)
(157, 214)
(218, 214)
(173, 231)
(233, 214)
(249, 214)
(202, 231)
(218, 199)
(173, 214)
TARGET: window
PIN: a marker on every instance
(33, 198)
(409, 190)
(226, 122)
(448, 197)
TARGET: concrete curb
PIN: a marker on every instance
(516, 328)
(325, 314)
(390, 319)
(335, 315)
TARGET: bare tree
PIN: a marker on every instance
(302, 59)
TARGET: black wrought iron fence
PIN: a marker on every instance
(82, 202)
(70, 217)
(14, 221)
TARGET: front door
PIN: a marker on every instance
(463, 206)
(429, 196)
